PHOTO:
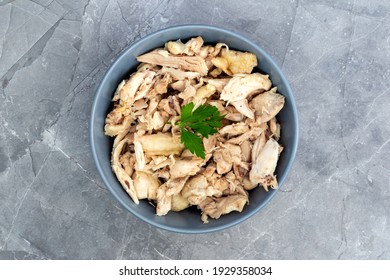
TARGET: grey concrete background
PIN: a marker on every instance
(334, 205)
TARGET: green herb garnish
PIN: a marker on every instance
(204, 120)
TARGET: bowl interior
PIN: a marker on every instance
(188, 221)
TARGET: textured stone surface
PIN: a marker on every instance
(336, 201)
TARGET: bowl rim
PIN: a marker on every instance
(274, 65)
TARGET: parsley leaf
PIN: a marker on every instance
(192, 142)
(204, 120)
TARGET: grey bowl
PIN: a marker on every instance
(188, 221)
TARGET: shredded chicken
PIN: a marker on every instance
(160, 144)
(267, 105)
(235, 62)
(264, 165)
(223, 205)
(240, 87)
(164, 58)
(148, 157)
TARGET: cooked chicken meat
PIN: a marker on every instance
(240, 87)
(160, 144)
(164, 58)
(223, 205)
(267, 105)
(148, 155)
(184, 167)
(123, 177)
(235, 62)
(146, 185)
(264, 165)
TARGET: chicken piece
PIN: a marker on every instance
(205, 202)
(175, 47)
(219, 84)
(267, 105)
(217, 49)
(198, 188)
(225, 157)
(235, 184)
(140, 161)
(219, 184)
(179, 85)
(146, 66)
(127, 160)
(139, 113)
(188, 92)
(202, 94)
(164, 201)
(118, 89)
(258, 145)
(174, 103)
(246, 151)
(240, 189)
(252, 134)
(240, 87)
(223, 205)
(185, 167)
(209, 170)
(233, 150)
(241, 170)
(163, 173)
(127, 133)
(166, 106)
(175, 185)
(247, 184)
(146, 85)
(179, 203)
(179, 75)
(163, 58)
(162, 85)
(150, 122)
(205, 51)
(205, 91)
(153, 104)
(159, 159)
(192, 47)
(234, 129)
(274, 128)
(161, 144)
(144, 124)
(210, 143)
(198, 84)
(223, 160)
(157, 164)
(186, 153)
(233, 114)
(146, 185)
(230, 176)
(264, 166)
(195, 190)
(112, 129)
(242, 106)
(235, 62)
(139, 105)
(216, 72)
(129, 89)
(158, 121)
(123, 178)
